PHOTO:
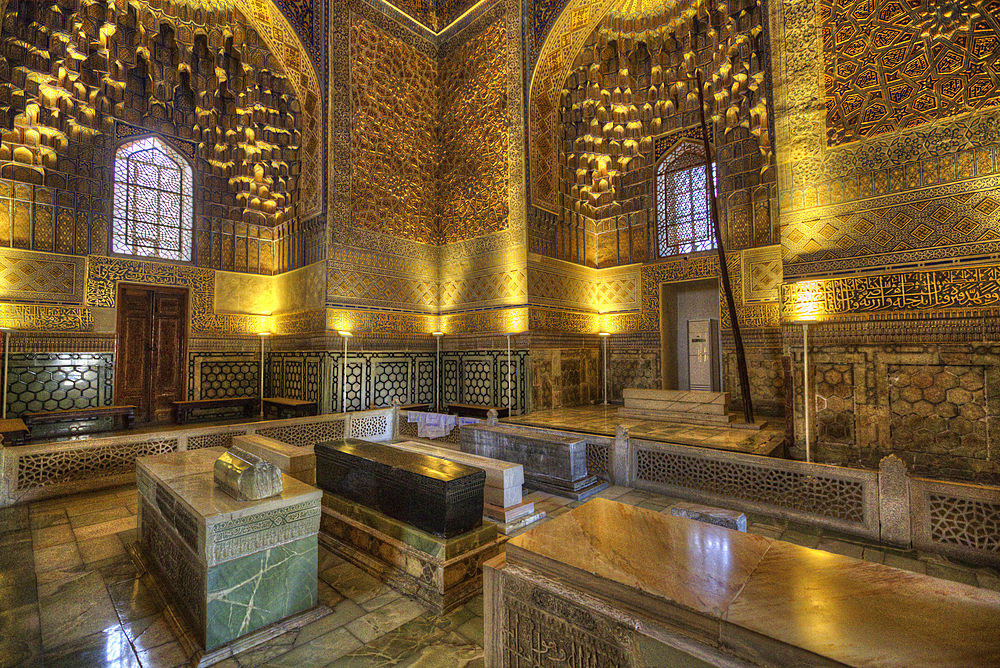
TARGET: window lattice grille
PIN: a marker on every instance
(152, 201)
(683, 224)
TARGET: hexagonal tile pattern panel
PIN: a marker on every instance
(938, 410)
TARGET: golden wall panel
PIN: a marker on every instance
(472, 90)
(394, 148)
(300, 290)
(243, 293)
(761, 273)
(24, 317)
(44, 277)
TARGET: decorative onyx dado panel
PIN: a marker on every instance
(472, 129)
(890, 64)
(394, 148)
(230, 80)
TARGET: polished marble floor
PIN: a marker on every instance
(603, 420)
(70, 596)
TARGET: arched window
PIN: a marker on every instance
(152, 201)
(683, 222)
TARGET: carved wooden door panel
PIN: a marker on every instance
(150, 371)
(135, 316)
(169, 371)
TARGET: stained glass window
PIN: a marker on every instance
(152, 201)
(683, 224)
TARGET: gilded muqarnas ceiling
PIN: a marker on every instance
(473, 119)
(394, 136)
(894, 64)
(435, 14)
(80, 67)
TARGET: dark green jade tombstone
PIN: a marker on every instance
(434, 495)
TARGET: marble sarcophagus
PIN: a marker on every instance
(435, 495)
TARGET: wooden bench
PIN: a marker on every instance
(477, 411)
(13, 431)
(122, 417)
(183, 409)
(288, 408)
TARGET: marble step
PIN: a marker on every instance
(504, 497)
(508, 514)
(683, 396)
(677, 406)
(675, 416)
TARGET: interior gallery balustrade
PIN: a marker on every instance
(889, 504)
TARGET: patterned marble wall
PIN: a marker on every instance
(143, 70)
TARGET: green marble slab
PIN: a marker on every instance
(250, 592)
(440, 548)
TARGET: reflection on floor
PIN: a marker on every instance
(603, 420)
(71, 598)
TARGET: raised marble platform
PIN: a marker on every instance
(297, 461)
(432, 494)
(707, 408)
(233, 567)
(442, 573)
(552, 463)
(611, 584)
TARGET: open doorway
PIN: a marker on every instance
(680, 304)
(150, 365)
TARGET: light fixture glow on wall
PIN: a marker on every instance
(604, 341)
(437, 371)
(262, 335)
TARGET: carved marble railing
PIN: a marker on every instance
(888, 504)
(32, 472)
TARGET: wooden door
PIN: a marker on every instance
(152, 341)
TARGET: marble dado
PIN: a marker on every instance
(217, 527)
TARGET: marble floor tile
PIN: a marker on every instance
(74, 610)
(354, 583)
(134, 599)
(170, 655)
(380, 600)
(57, 557)
(52, 535)
(345, 612)
(905, 563)
(327, 559)
(105, 528)
(48, 518)
(97, 517)
(327, 595)
(87, 506)
(840, 547)
(473, 630)
(20, 637)
(100, 549)
(798, 538)
(150, 632)
(953, 574)
(475, 605)
(19, 592)
(118, 569)
(319, 651)
(14, 518)
(109, 648)
(385, 619)
(427, 641)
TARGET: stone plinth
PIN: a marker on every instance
(296, 461)
(720, 517)
(705, 408)
(552, 463)
(432, 494)
(611, 584)
(442, 573)
(232, 567)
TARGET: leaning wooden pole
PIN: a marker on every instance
(727, 288)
